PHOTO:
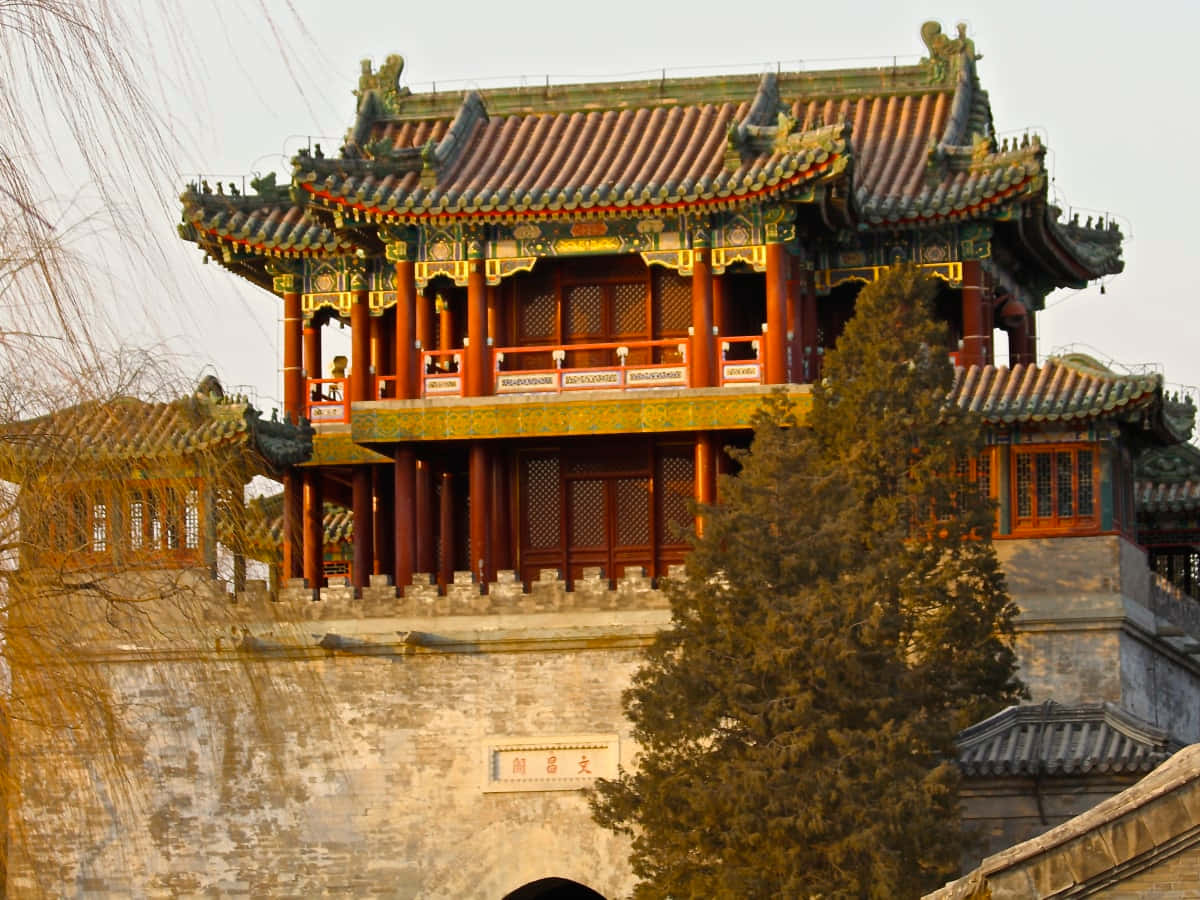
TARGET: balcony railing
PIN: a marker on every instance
(328, 400)
(581, 367)
(616, 365)
(441, 373)
(741, 361)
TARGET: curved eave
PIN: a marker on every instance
(1062, 264)
(245, 245)
(828, 168)
(1156, 498)
(1061, 394)
(974, 210)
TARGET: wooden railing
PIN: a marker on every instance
(741, 361)
(617, 365)
(614, 365)
(328, 400)
(442, 373)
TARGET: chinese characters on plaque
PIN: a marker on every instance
(549, 763)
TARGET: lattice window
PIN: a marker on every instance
(1055, 489)
(99, 527)
(1064, 465)
(585, 310)
(1086, 492)
(191, 519)
(672, 302)
(1024, 482)
(676, 487)
(171, 520)
(137, 523)
(633, 511)
(1045, 486)
(542, 530)
(537, 314)
(629, 310)
(588, 513)
(337, 567)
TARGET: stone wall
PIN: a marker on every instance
(347, 756)
(317, 743)
(1095, 624)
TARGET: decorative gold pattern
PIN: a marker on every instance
(339, 300)
(825, 279)
(727, 256)
(682, 410)
(455, 268)
(495, 269)
(337, 448)
(679, 260)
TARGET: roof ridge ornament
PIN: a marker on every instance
(946, 53)
(383, 83)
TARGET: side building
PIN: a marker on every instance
(563, 302)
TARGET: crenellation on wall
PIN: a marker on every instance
(463, 596)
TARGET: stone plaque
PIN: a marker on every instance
(545, 763)
(659, 376)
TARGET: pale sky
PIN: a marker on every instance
(1108, 87)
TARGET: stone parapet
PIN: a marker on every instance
(463, 596)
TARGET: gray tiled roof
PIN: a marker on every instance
(1056, 740)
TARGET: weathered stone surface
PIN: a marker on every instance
(346, 772)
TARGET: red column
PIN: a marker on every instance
(720, 307)
(706, 473)
(809, 369)
(293, 515)
(776, 336)
(364, 531)
(406, 330)
(312, 352)
(480, 477)
(478, 382)
(446, 336)
(384, 520)
(446, 530)
(974, 349)
(360, 349)
(293, 382)
(501, 544)
(701, 362)
(314, 528)
(404, 526)
(425, 546)
(795, 325)
(425, 332)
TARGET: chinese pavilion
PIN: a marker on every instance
(123, 483)
(564, 300)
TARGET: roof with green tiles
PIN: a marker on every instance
(264, 527)
(1069, 391)
(1168, 479)
(888, 147)
(93, 436)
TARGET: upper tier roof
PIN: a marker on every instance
(895, 146)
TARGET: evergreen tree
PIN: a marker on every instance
(843, 617)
